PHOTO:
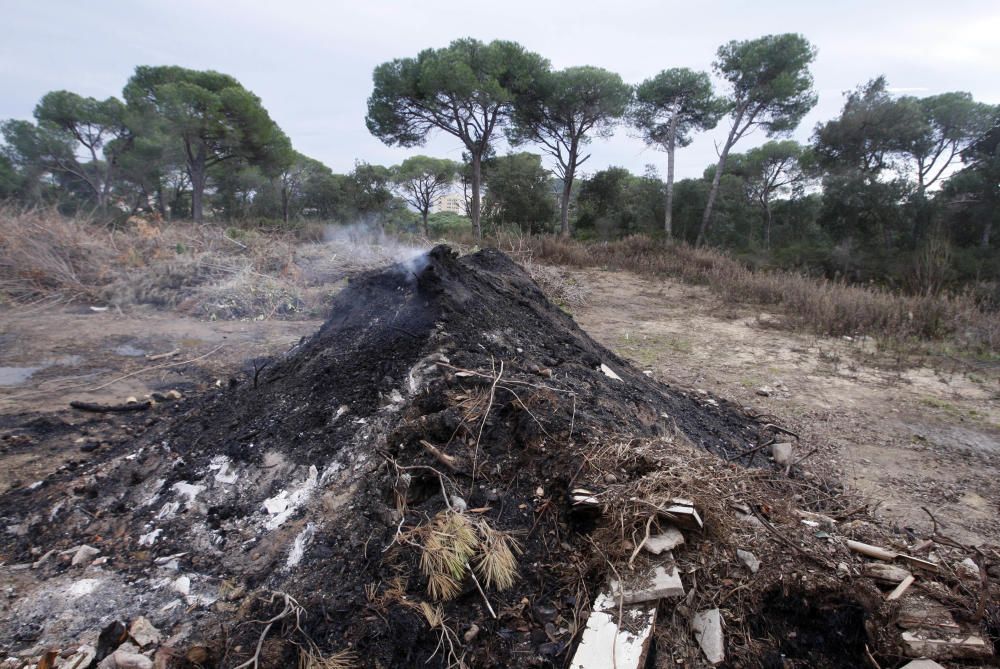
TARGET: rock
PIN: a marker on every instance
(143, 632)
(651, 586)
(182, 584)
(471, 633)
(458, 504)
(968, 568)
(545, 613)
(765, 391)
(121, 659)
(84, 555)
(922, 664)
(81, 659)
(843, 571)
(707, 626)
(174, 395)
(748, 559)
(667, 540)
(782, 453)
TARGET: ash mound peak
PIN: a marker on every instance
(436, 386)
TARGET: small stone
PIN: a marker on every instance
(143, 632)
(182, 584)
(610, 478)
(764, 391)
(968, 568)
(749, 560)
(458, 504)
(471, 633)
(843, 571)
(658, 584)
(121, 659)
(84, 555)
(782, 453)
(539, 491)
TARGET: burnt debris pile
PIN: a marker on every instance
(450, 472)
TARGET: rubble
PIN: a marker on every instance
(605, 644)
(658, 583)
(749, 560)
(667, 540)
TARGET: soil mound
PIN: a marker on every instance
(403, 485)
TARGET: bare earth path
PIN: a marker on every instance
(907, 438)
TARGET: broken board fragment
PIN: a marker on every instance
(969, 647)
(683, 513)
(888, 573)
(649, 586)
(882, 554)
(610, 372)
(604, 644)
(921, 612)
(707, 626)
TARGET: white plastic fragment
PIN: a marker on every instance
(182, 585)
(300, 544)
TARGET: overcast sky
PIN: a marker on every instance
(311, 61)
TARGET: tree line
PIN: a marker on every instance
(888, 177)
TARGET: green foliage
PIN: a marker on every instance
(466, 89)
(562, 112)
(518, 192)
(213, 117)
(421, 180)
(673, 105)
(615, 203)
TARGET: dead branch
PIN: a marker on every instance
(94, 407)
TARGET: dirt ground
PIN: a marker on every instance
(903, 437)
(906, 438)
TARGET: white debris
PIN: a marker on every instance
(189, 490)
(669, 539)
(652, 586)
(707, 626)
(223, 474)
(604, 644)
(85, 555)
(458, 504)
(299, 545)
(748, 559)
(84, 586)
(167, 510)
(149, 538)
(968, 568)
(922, 664)
(182, 585)
(283, 505)
(81, 659)
(610, 372)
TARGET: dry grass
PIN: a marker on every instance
(200, 269)
(820, 305)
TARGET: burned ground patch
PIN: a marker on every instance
(448, 471)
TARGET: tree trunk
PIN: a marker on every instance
(477, 174)
(767, 224)
(425, 213)
(567, 191)
(668, 217)
(984, 241)
(706, 218)
(284, 203)
(196, 170)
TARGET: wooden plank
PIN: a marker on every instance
(605, 644)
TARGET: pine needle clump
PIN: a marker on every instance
(452, 542)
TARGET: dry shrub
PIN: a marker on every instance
(824, 306)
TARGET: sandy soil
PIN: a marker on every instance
(904, 437)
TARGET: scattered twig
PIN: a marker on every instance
(155, 367)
